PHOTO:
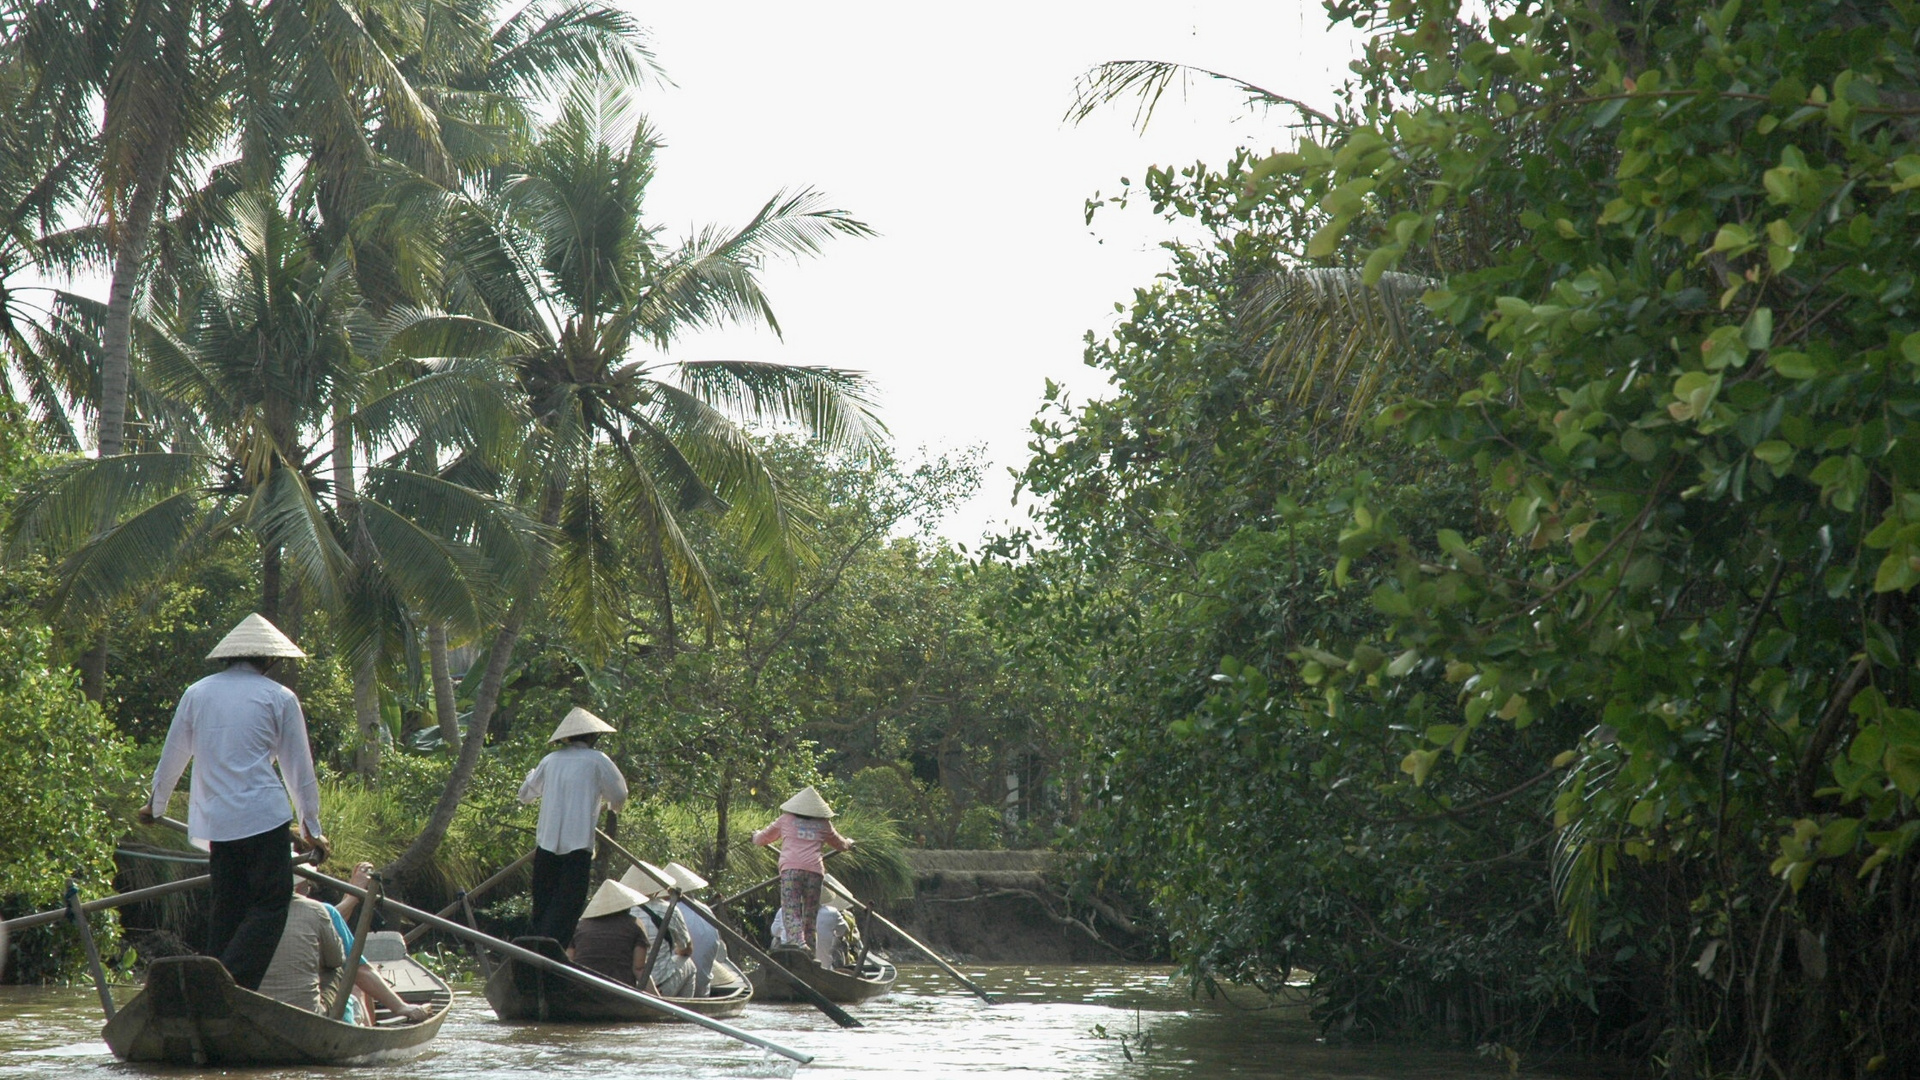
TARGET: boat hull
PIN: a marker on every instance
(191, 1013)
(841, 987)
(519, 991)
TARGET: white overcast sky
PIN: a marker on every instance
(941, 126)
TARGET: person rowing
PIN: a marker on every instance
(572, 784)
(235, 727)
(804, 827)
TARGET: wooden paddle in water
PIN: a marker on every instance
(909, 939)
(813, 997)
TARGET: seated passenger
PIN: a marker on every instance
(607, 940)
(673, 971)
(368, 986)
(309, 949)
(708, 949)
(836, 937)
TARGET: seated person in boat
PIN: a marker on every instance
(607, 940)
(309, 950)
(833, 932)
(368, 986)
(708, 949)
(836, 942)
(673, 971)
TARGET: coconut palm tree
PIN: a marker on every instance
(45, 332)
(623, 445)
(260, 346)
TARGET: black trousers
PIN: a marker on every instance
(252, 888)
(559, 892)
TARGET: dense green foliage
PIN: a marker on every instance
(1593, 707)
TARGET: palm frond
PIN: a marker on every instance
(283, 513)
(1149, 80)
(829, 404)
(65, 507)
(1336, 343)
(117, 562)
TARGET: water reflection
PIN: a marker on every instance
(928, 1029)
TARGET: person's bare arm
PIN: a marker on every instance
(362, 878)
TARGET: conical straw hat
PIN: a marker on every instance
(646, 879)
(685, 878)
(808, 803)
(578, 722)
(255, 636)
(832, 890)
(611, 897)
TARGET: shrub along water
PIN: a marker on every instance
(1540, 595)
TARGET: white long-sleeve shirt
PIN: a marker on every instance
(234, 726)
(572, 783)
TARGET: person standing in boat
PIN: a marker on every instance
(235, 726)
(572, 783)
(801, 831)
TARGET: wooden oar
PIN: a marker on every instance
(565, 970)
(86, 939)
(151, 892)
(448, 912)
(812, 996)
(343, 989)
(909, 939)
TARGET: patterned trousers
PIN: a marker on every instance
(799, 904)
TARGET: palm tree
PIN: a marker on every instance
(45, 333)
(385, 195)
(260, 345)
(559, 257)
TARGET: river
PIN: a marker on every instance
(1049, 1024)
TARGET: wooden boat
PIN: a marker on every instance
(519, 991)
(841, 985)
(191, 1013)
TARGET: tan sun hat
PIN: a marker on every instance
(255, 636)
(610, 898)
(579, 722)
(832, 890)
(685, 878)
(808, 803)
(646, 880)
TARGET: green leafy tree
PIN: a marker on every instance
(1664, 250)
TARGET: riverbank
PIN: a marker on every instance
(1002, 907)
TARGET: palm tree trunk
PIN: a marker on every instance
(116, 367)
(485, 698)
(367, 718)
(366, 671)
(484, 701)
(445, 707)
(722, 815)
(93, 667)
(270, 585)
(116, 336)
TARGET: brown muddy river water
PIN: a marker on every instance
(1047, 1025)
